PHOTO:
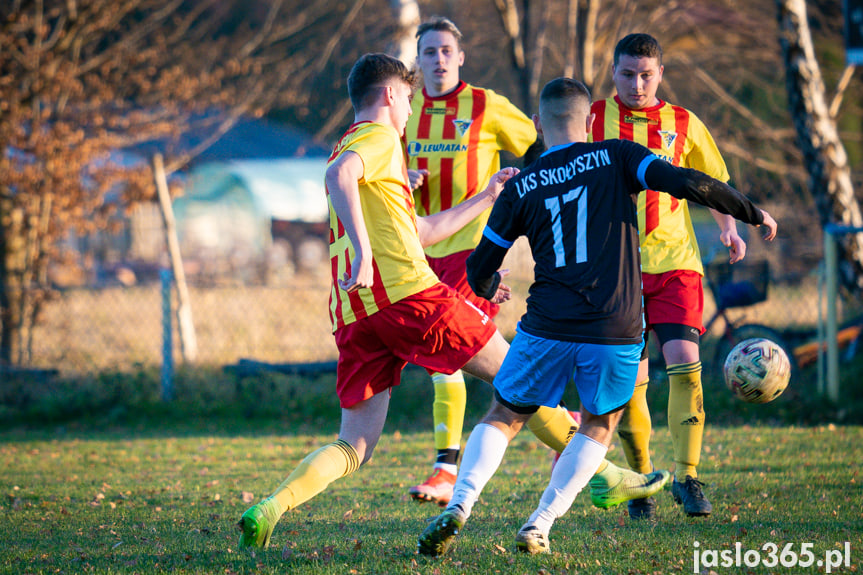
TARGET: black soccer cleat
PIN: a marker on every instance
(642, 508)
(689, 493)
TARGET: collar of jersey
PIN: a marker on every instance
(626, 108)
(558, 147)
(461, 86)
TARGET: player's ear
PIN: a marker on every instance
(589, 122)
(537, 124)
(460, 57)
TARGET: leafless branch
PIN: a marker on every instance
(258, 39)
(334, 40)
(836, 102)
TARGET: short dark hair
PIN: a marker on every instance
(562, 99)
(372, 71)
(438, 24)
(638, 46)
(565, 89)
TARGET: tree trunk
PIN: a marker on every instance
(407, 15)
(588, 46)
(536, 60)
(512, 27)
(823, 152)
(571, 38)
(12, 265)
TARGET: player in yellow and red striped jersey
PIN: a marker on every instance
(671, 262)
(453, 140)
(386, 303)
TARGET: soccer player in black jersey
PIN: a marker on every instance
(584, 319)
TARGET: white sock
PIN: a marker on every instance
(448, 467)
(577, 464)
(483, 453)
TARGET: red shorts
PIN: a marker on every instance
(436, 329)
(676, 296)
(452, 271)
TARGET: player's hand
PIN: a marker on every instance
(417, 177)
(360, 276)
(735, 244)
(771, 225)
(504, 292)
(495, 184)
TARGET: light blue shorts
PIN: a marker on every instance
(536, 371)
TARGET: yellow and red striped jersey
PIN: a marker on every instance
(400, 266)
(676, 135)
(457, 137)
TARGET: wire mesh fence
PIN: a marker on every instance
(119, 328)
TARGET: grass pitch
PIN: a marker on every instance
(126, 501)
(117, 482)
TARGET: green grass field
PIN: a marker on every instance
(118, 482)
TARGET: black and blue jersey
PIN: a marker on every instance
(576, 206)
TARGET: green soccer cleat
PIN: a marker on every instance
(615, 486)
(257, 524)
(531, 540)
(440, 533)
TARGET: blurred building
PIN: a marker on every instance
(253, 221)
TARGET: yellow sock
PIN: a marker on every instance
(685, 417)
(315, 472)
(450, 398)
(634, 431)
(554, 426)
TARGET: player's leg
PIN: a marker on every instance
(679, 328)
(674, 305)
(517, 395)
(360, 430)
(574, 469)
(483, 454)
(635, 426)
(450, 394)
(367, 370)
(450, 399)
(612, 485)
(686, 419)
(604, 377)
(634, 431)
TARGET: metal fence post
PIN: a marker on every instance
(831, 333)
(821, 336)
(831, 272)
(167, 337)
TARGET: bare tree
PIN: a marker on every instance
(823, 152)
(81, 80)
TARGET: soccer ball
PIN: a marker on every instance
(757, 370)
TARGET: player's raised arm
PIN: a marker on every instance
(685, 183)
(441, 225)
